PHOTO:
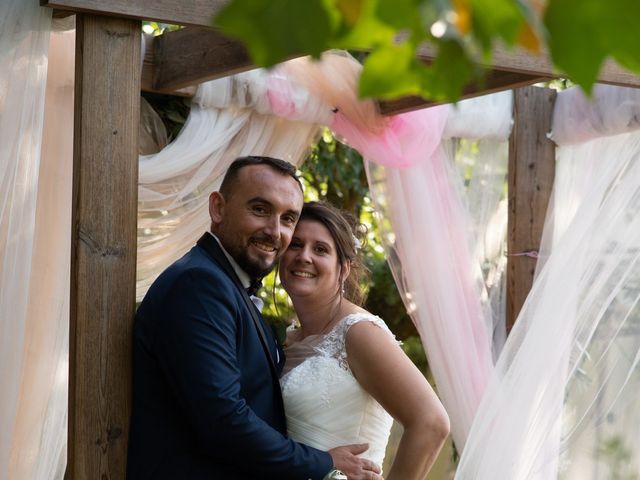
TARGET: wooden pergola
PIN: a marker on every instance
(105, 183)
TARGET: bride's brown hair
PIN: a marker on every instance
(349, 236)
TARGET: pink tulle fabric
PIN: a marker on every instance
(405, 141)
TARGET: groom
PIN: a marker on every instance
(206, 396)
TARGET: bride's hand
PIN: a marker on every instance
(346, 460)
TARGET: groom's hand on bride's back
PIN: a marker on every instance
(346, 460)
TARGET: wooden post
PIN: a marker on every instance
(531, 174)
(103, 256)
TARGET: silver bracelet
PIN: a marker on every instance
(335, 474)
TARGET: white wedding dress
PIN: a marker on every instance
(324, 404)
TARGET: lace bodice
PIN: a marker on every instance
(324, 403)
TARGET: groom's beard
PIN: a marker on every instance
(254, 267)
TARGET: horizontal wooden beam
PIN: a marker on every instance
(62, 13)
(187, 57)
(176, 61)
(200, 12)
(521, 60)
(149, 66)
(183, 12)
(495, 81)
(194, 55)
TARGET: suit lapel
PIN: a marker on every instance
(210, 245)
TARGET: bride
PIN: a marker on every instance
(346, 377)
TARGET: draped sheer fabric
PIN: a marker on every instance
(564, 400)
(438, 260)
(24, 43)
(611, 111)
(23, 52)
(39, 445)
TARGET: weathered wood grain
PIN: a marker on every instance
(103, 259)
(521, 60)
(194, 55)
(183, 12)
(495, 81)
(530, 178)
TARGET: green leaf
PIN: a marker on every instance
(573, 40)
(390, 72)
(276, 29)
(582, 33)
(367, 32)
(445, 78)
(399, 14)
(622, 35)
(492, 19)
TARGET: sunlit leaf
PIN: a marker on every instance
(390, 72)
(622, 38)
(445, 78)
(369, 31)
(493, 19)
(575, 42)
(400, 14)
(276, 29)
(350, 10)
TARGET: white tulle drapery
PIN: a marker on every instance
(32, 309)
(39, 450)
(229, 117)
(564, 400)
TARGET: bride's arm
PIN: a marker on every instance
(383, 370)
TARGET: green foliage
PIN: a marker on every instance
(335, 173)
(582, 33)
(579, 33)
(155, 28)
(268, 24)
(173, 111)
(617, 455)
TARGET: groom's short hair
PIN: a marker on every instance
(231, 176)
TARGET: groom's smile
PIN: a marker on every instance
(264, 246)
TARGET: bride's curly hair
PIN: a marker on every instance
(349, 236)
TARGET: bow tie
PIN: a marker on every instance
(254, 287)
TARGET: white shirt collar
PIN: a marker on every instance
(242, 275)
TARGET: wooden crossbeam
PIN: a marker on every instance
(194, 55)
(184, 12)
(521, 60)
(175, 61)
(191, 56)
(495, 81)
(199, 13)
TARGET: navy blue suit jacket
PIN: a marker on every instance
(206, 400)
